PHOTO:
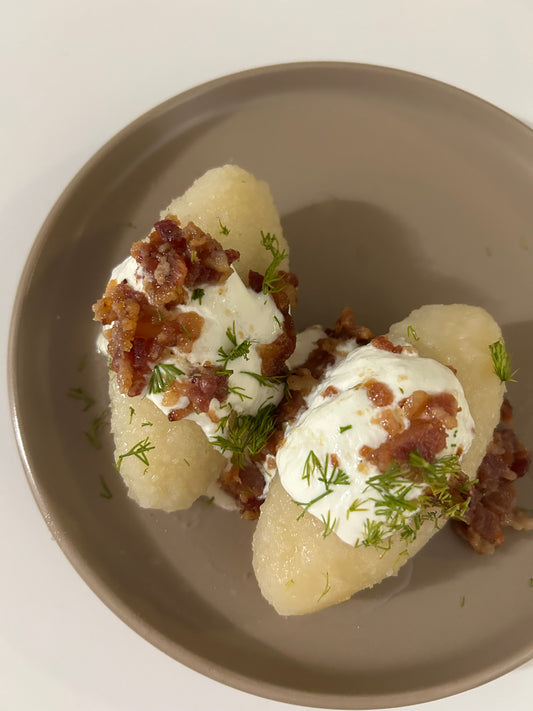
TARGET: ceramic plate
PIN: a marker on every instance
(395, 191)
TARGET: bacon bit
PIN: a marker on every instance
(246, 486)
(174, 257)
(441, 406)
(384, 344)
(389, 419)
(177, 390)
(145, 326)
(493, 504)
(346, 329)
(255, 280)
(140, 334)
(179, 414)
(329, 391)
(204, 385)
(429, 417)
(379, 393)
(274, 355)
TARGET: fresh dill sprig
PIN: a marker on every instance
(242, 395)
(106, 491)
(245, 435)
(138, 450)
(327, 588)
(132, 413)
(501, 360)
(198, 294)
(411, 333)
(272, 278)
(93, 435)
(335, 477)
(239, 349)
(344, 428)
(373, 533)
(329, 525)
(357, 505)
(163, 375)
(223, 229)
(402, 509)
(267, 381)
(83, 396)
(306, 505)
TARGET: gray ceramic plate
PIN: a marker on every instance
(395, 191)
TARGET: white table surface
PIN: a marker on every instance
(74, 73)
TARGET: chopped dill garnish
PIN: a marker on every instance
(83, 396)
(531, 582)
(106, 492)
(373, 533)
(306, 505)
(163, 375)
(401, 509)
(147, 424)
(501, 360)
(267, 381)
(357, 505)
(411, 333)
(245, 435)
(186, 462)
(138, 450)
(330, 478)
(239, 349)
(344, 428)
(132, 412)
(159, 314)
(337, 476)
(272, 278)
(289, 583)
(82, 363)
(185, 330)
(462, 601)
(223, 229)
(329, 525)
(276, 319)
(209, 501)
(93, 435)
(327, 588)
(198, 294)
(242, 395)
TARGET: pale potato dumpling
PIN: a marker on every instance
(234, 198)
(460, 335)
(300, 571)
(183, 463)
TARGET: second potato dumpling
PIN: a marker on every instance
(301, 565)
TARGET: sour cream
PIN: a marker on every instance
(320, 463)
(230, 310)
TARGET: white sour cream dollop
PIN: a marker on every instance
(228, 307)
(344, 420)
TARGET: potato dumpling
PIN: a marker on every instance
(182, 463)
(300, 571)
(231, 199)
